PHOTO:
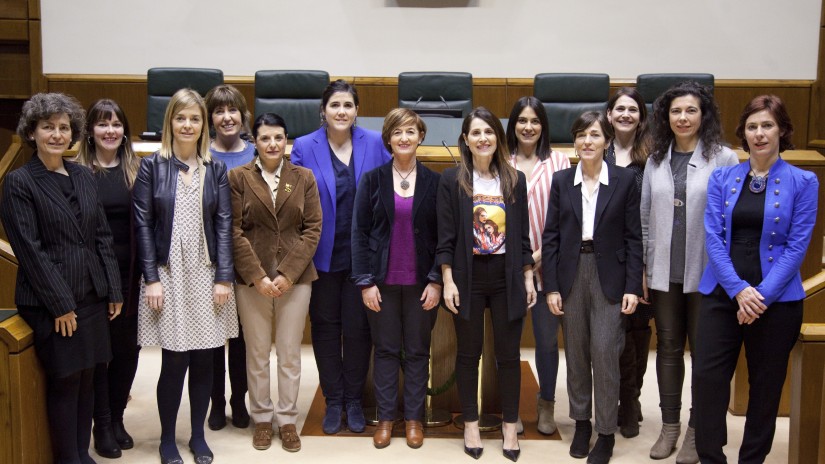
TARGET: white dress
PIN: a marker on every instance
(189, 319)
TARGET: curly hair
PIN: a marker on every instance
(710, 130)
(776, 107)
(43, 106)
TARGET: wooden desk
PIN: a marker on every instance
(807, 360)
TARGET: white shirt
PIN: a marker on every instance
(589, 200)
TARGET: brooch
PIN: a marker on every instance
(288, 188)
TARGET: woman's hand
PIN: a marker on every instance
(537, 260)
(645, 299)
(281, 285)
(372, 298)
(430, 296)
(66, 324)
(114, 310)
(530, 286)
(554, 302)
(265, 287)
(629, 302)
(451, 298)
(154, 295)
(221, 291)
(750, 305)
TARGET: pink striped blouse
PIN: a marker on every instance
(538, 196)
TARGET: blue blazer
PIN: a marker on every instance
(312, 151)
(790, 213)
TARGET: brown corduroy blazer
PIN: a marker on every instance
(274, 239)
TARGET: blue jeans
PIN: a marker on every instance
(545, 331)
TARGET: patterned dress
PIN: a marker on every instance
(189, 319)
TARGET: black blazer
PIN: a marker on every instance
(372, 220)
(154, 205)
(54, 249)
(455, 242)
(617, 234)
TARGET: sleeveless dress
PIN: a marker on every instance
(189, 319)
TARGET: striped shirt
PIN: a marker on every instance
(538, 197)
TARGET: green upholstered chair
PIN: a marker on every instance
(436, 91)
(294, 95)
(566, 96)
(162, 83)
(651, 86)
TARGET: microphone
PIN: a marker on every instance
(417, 101)
(448, 151)
(444, 101)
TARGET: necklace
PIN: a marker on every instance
(404, 183)
(757, 183)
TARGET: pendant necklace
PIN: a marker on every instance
(404, 183)
(757, 183)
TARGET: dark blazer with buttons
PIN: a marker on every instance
(790, 213)
(271, 239)
(373, 219)
(56, 250)
(617, 234)
(455, 242)
(153, 197)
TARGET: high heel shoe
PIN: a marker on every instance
(511, 454)
(474, 453)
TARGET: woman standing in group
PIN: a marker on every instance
(477, 275)
(592, 256)
(686, 146)
(528, 136)
(229, 118)
(183, 217)
(68, 279)
(394, 235)
(338, 154)
(276, 226)
(758, 222)
(108, 152)
(627, 115)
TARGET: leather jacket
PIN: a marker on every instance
(154, 206)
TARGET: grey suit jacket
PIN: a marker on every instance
(657, 217)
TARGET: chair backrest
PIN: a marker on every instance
(162, 83)
(292, 94)
(436, 90)
(651, 86)
(566, 96)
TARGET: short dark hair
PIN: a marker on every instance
(43, 106)
(338, 86)
(776, 107)
(227, 95)
(589, 118)
(710, 132)
(268, 119)
(543, 147)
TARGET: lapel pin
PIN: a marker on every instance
(288, 188)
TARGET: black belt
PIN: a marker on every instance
(587, 247)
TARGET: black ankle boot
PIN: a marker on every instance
(602, 450)
(105, 444)
(217, 416)
(124, 440)
(240, 416)
(581, 439)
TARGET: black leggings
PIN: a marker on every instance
(173, 369)
(114, 381)
(70, 402)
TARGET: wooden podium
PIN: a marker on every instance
(24, 428)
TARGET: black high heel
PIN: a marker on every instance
(474, 453)
(511, 454)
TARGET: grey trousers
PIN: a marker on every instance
(593, 339)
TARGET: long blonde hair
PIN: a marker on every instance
(182, 99)
(104, 110)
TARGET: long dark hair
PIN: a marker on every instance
(105, 109)
(499, 166)
(639, 152)
(543, 147)
(710, 132)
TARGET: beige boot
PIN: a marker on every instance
(666, 443)
(546, 411)
(687, 455)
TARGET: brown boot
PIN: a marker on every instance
(383, 434)
(262, 437)
(290, 441)
(415, 434)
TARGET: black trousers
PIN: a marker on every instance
(114, 381)
(237, 372)
(489, 291)
(768, 343)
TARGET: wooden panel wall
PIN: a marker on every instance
(816, 120)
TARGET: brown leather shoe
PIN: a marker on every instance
(290, 440)
(262, 437)
(383, 434)
(415, 434)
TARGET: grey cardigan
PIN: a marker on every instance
(657, 217)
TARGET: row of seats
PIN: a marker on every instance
(296, 95)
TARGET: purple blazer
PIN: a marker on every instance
(312, 152)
